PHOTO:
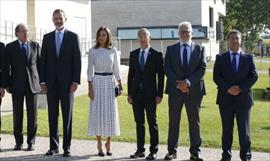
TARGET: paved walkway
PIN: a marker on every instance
(85, 150)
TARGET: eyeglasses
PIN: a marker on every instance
(184, 32)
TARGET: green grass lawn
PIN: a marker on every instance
(210, 120)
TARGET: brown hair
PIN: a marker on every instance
(108, 43)
(59, 11)
(234, 31)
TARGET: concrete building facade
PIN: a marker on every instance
(38, 15)
(125, 17)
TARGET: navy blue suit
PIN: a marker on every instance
(59, 72)
(235, 106)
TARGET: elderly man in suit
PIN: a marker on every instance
(235, 74)
(22, 79)
(184, 67)
(2, 89)
(60, 70)
(145, 91)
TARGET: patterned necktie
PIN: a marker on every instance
(234, 63)
(24, 52)
(142, 60)
(58, 43)
(185, 61)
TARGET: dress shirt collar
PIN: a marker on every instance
(25, 43)
(238, 52)
(62, 31)
(188, 43)
(146, 50)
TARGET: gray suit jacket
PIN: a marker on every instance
(195, 72)
(17, 71)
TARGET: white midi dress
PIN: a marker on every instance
(103, 111)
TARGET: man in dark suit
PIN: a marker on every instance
(2, 89)
(145, 91)
(235, 74)
(184, 67)
(23, 81)
(60, 70)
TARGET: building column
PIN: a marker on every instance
(31, 18)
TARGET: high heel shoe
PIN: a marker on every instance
(100, 151)
(108, 152)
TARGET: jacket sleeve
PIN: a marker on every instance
(252, 77)
(160, 72)
(76, 60)
(131, 73)
(198, 74)
(222, 84)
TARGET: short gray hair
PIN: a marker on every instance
(144, 30)
(185, 23)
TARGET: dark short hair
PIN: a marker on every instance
(59, 11)
(108, 43)
(234, 31)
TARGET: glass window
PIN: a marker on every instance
(169, 33)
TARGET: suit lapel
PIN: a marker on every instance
(63, 42)
(149, 57)
(29, 50)
(137, 59)
(178, 56)
(193, 55)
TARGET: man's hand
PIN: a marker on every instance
(129, 99)
(158, 100)
(2, 92)
(44, 88)
(234, 90)
(182, 85)
(73, 87)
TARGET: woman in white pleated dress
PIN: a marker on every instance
(103, 76)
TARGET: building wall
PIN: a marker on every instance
(140, 13)
(39, 18)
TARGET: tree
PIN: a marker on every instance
(250, 17)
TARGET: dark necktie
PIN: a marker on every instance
(142, 60)
(234, 63)
(185, 61)
(23, 49)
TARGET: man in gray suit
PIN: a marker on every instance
(184, 67)
(22, 80)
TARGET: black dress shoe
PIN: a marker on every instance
(30, 147)
(195, 158)
(67, 153)
(170, 156)
(101, 154)
(138, 154)
(109, 153)
(152, 156)
(52, 152)
(225, 159)
(17, 147)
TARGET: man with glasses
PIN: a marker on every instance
(184, 67)
(23, 82)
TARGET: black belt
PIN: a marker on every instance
(103, 74)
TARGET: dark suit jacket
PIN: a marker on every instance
(2, 61)
(224, 77)
(195, 72)
(152, 77)
(18, 71)
(64, 69)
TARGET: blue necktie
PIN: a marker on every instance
(142, 60)
(24, 52)
(185, 61)
(234, 63)
(58, 43)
